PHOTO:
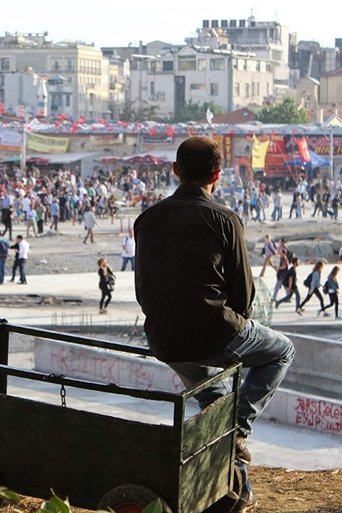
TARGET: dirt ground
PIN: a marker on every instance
(278, 491)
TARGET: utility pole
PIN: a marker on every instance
(331, 153)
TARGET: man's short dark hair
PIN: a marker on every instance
(197, 158)
(294, 260)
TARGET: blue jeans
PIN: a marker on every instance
(267, 354)
(125, 261)
(22, 262)
(2, 269)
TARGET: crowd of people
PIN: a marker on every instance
(286, 277)
(42, 201)
(257, 201)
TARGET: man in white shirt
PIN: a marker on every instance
(24, 249)
(128, 250)
(89, 223)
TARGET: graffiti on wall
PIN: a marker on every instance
(319, 415)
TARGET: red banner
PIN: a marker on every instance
(303, 149)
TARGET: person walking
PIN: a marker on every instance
(54, 211)
(290, 283)
(31, 222)
(194, 283)
(314, 285)
(269, 251)
(4, 245)
(89, 223)
(128, 250)
(106, 284)
(24, 249)
(333, 290)
(40, 216)
(16, 257)
(281, 271)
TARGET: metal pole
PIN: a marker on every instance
(331, 153)
(23, 150)
(4, 337)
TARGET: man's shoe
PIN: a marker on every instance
(241, 452)
(325, 314)
(298, 311)
(338, 318)
(319, 312)
(245, 503)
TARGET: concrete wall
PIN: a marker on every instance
(297, 408)
(317, 366)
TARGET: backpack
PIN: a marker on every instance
(307, 281)
(326, 287)
(290, 255)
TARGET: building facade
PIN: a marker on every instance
(83, 66)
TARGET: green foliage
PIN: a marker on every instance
(8, 495)
(284, 113)
(197, 112)
(143, 112)
(55, 505)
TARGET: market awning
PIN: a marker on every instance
(315, 161)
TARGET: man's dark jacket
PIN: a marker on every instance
(193, 278)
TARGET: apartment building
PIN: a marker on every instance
(83, 66)
(229, 79)
(26, 93)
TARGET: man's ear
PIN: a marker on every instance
(215, 176)
(175, 169)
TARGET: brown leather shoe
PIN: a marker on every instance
(241, 452)
(245, 503)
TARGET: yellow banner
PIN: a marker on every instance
(47, 144)
(259, 150)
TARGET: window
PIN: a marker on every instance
(276, 55)
(153, 67)
(197, 87)
(67, 100)
(187, 63)
(217, 64)
(253, 88)
(202, 64)
(70, 64)
(5, 64)
(213, 89)
(258, 66)
(247, 90)
(56, 65)
(245, 65)
(237, 88)
(258, 88)
(152, 88)
(167, 65)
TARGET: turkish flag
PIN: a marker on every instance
(303, 149)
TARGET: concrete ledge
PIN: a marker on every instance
(288, 407)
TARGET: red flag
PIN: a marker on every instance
(303, 149)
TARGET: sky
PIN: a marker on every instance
(118, 23)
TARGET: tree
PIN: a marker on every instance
(197, 112)
(284, 113)
(145, 112)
